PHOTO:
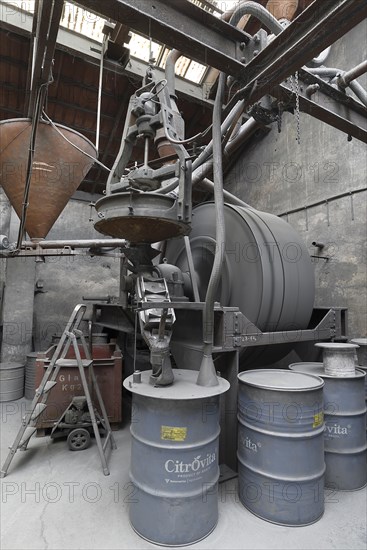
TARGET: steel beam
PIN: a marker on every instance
(48, 18)
(179, 24)
(328, 104)
(209, 40)
(320, 25)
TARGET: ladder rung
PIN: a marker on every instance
(73, 362)
(48, 386)
(28, 432)
(39, 408)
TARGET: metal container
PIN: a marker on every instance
(58, 169)
(174, 458)
(11, 381)
(30, 375)
(361, 351)
(265, 266)
(345, 427)
(339, 359)
(281, 446)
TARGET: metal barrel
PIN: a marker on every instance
(174, 459)
(281, 446)
(11, 381)
(345, 427)
(361, 351)
(30, 375)
(339, 359)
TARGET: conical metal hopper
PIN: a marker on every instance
(58, 170)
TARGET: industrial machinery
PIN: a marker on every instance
(75, 424)
(217, 288)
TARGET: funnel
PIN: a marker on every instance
(58, 170)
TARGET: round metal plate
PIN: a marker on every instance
(139, 217)
(336, 346)
(184, 386)
(277, 379)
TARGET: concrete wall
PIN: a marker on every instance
(277, 175)
(40, 295)
(63, 281)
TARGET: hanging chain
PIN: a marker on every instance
(295, 90)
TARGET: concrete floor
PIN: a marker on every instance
(53, 498)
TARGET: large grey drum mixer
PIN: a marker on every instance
(267, 274)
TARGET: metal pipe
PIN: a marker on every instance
(171, 60)
(258, 11)
(332, 72)
(317, 244)
(232, 116)
(359, 91)
(81, 243)
(231, 199)
(352, 74)
(246, 130)
(99, 101)
(207, 375)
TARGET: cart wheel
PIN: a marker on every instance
(78, 439)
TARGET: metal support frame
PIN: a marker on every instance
(183, 26)
(48, 17)
(328, 104)
(233, 330)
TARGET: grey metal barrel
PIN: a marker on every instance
(281, 446)
(339, 359)
(174, 458)
(11, 381)
(30, 375)
(345, 427)
(361, 351)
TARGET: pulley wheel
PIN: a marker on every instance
(79, 439)
(267, 271)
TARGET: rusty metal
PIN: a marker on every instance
(108, 366)
(140, 217)
(58, 169)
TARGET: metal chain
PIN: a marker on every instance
(295, 90)
(297, 110)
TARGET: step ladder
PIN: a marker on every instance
(49, 380)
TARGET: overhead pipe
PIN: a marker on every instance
(343, 81)
(246, 130)
(206, 183)
(258, 11)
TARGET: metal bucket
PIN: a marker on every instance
(174, 459)
(281, 446)
(11, 381)
(345, 427)
(30, 375)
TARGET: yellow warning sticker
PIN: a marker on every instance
(318, 419)
(171, 433)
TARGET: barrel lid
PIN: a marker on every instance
(184, 386)
(359, 341)
(317, 369)
(336, 345)
(278, 379)
(5, 365)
